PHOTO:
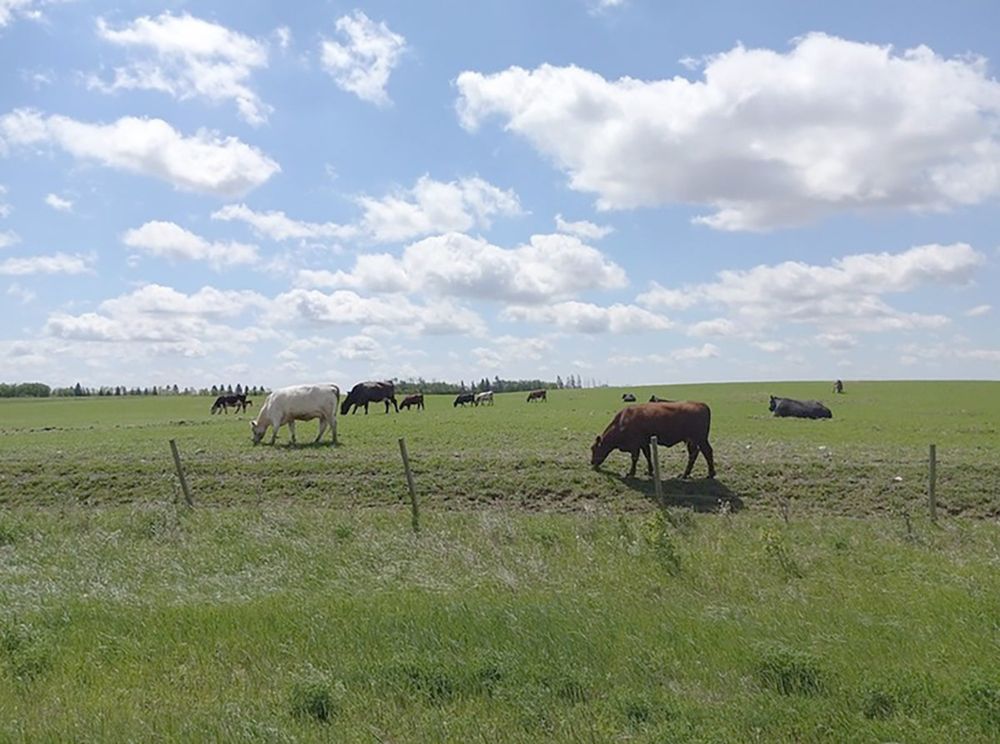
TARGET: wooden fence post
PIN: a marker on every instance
(409, 482)
(654, 450)
(932, 483)
(180, 473)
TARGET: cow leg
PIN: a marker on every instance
(649, 460)
(635, 459)
(274, 434)
(706, 450)
(322, 428)
(366, 408)
(692, 456)
(291, 430)
(333, 428)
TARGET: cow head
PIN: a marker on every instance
(598, 454)
(773, 403)
(257, 430)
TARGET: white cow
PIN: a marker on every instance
(484, 398)
(298, 403)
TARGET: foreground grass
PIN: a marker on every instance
(305, 623)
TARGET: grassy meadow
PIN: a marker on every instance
(802, 596)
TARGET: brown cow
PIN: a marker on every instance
(632, 427)
(413, 400)
(537, 395)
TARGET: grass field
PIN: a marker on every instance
(801, 597)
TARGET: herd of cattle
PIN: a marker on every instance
(631, 430)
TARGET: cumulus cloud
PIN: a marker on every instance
(978, 311)
(765, 138)
(8, 238)
(190, 58)
(844, 296)
(506, 350)
(30, 9)
(549, 267)
(583, 229)
(163, 320)
(204, 163)
(435, 207)
(705, 351)
(23, 294)
(363, 63)
(395, 312)
(168, 240)
(276, 225)
(56, 263)
(584, 317)
(4, 206)
(58, 203)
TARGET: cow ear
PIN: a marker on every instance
(597, 440)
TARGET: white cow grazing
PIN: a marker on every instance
(484, 398)
(298, 403)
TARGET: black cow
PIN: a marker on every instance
(838, 386)
(537, 395)
(812, 409)
(413, 400)
(224, 402)
(628, 398)
(464, 398)
(369, 392)
(657, 399)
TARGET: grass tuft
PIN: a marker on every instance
(790, 672)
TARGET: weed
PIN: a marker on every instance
(316, 695)
(790, 672)
(778, 552)
(658, 537)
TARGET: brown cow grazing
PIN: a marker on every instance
(537, 395)
(632, 427)
(413, 400)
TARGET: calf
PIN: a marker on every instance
(413, 400)
(537, 395)
(632, 427)
(484, 398)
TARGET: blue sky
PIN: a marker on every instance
(628, 191)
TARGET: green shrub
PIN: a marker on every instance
(790, 672)
(315, 695)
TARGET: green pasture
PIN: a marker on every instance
(870, 458)
(803, 596)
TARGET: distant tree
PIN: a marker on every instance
(239, 389)
(78, 389)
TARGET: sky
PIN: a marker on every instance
(629, 191)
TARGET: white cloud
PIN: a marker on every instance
(978, 311)
(8, 238)
(435, 207)
(714, 327)
(359, 347)
(584, 317)
(844, 296)
(504, 351)
(57, 263)
(203, 163)
(191, 58)
(284, 36)
(168, 240)
(363, 64)
(583, 229)
(58, 203)
(160, 319)
(549, 267)
(23, 294)
(837, 341)
(771, 347)
(705, 351)
(765, 139)
(5, 208)
(395, 312)
(30, 9)
(597, 7)
(278, 226)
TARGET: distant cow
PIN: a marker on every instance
(369, 392)
(838, 386)
(631, 428)
(628, 398)
(484, 398)
(413, 400)
(812, 409)
(463, 398)
(298, 403)
(537, 395)
(225, 402)
(655, 399)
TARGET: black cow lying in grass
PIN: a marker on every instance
(628, 398)
(812, 409)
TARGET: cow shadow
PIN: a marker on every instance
(705, 495)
